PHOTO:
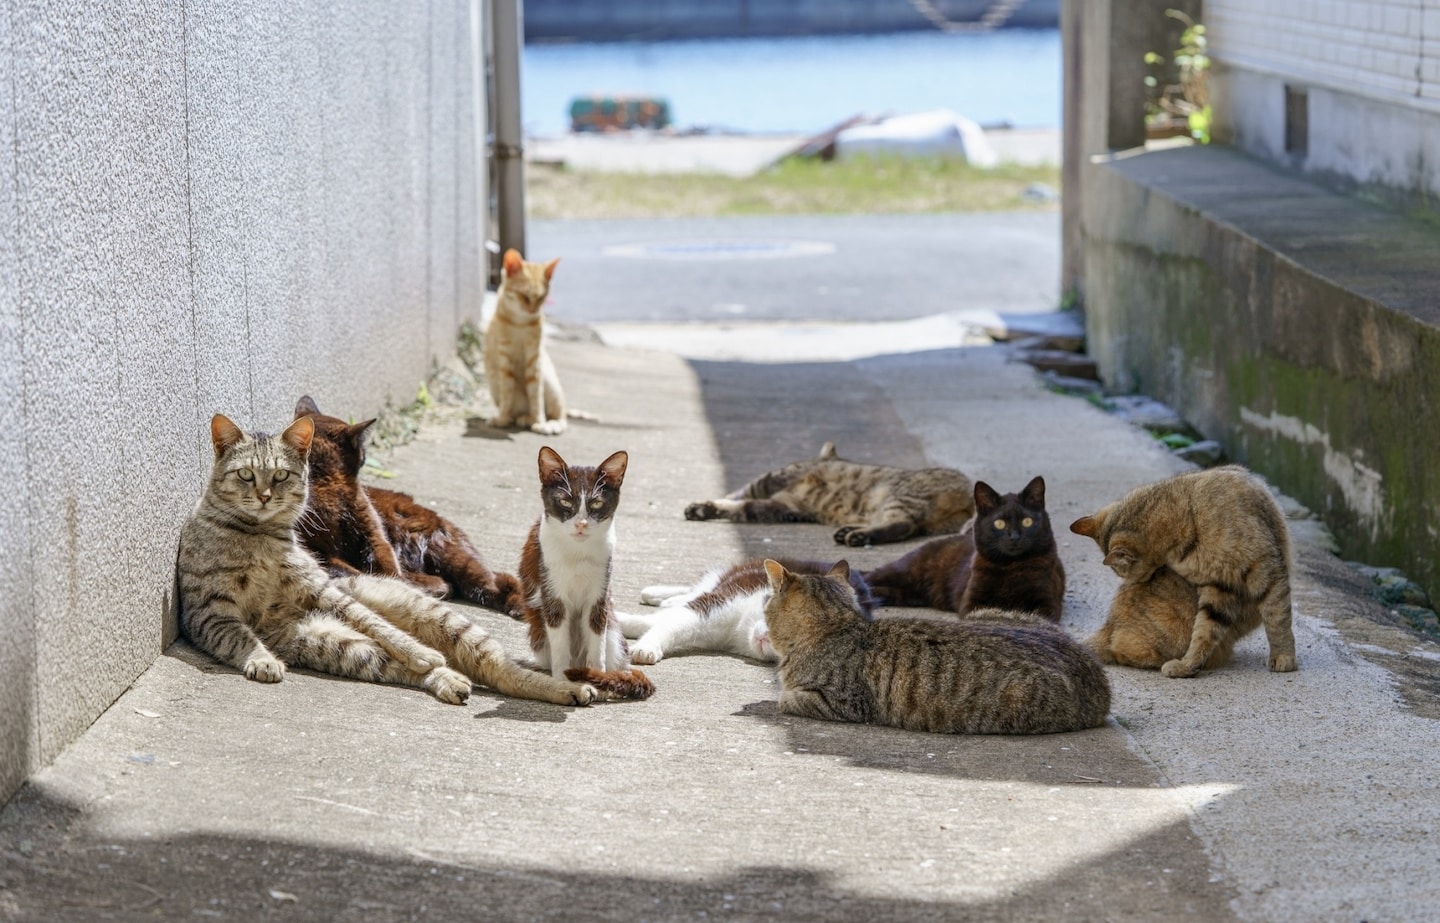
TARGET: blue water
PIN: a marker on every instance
(805, 84)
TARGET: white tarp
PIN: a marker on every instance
(939, 132)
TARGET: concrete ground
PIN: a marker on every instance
(1240, 795)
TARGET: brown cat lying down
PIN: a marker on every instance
(871, 504)
(354, 529)
(1151, 623)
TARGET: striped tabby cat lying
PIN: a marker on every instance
(871, 504)
(993, 672)
(252, 597)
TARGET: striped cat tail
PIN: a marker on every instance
(621, 684)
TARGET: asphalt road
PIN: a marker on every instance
(805, 268)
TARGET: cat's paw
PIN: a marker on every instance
(646, 654)
(1176, 669)
(429, 584)
(264, 670)
(854, 536)
(448, 686)
(548, 427)
(702, 510)
(661, 594)
(1282, 663)
(420, 658)
(583, 694)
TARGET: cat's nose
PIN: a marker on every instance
(264, 496)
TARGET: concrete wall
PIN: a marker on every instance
(205, 205)
(1370, 69)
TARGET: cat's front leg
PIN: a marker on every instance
(807, 703)
(396, 643)
(874, 534)
(1212, 620)
(557, 646)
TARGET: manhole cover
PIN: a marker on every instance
(721, 249)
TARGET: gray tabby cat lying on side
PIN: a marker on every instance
(992, 672)
(253, 598)
(871, 504)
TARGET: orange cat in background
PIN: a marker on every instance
(522, 378)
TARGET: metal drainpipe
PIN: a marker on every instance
(508, 150)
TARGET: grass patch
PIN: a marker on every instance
(793, 187)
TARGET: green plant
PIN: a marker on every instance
(1187, 100)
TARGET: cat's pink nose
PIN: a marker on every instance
(264, 497)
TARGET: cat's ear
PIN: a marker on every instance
(1033, 495)
(298, 435)
(512, 261)
(1086, 525)
(613, 468)
(552, 466)
(986, 498)
(305, 406)
(841, 571)
(550, 268)
(827, 451)
(776, 573)
(223, 434)
(356, 431)
(1121, 559)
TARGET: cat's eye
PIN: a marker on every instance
(1027, 522)
(246, 475)
(596, 504)
(565, 504)
(280, 475)
(999, 523)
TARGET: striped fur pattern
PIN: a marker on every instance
(521, 376)
(994, 672)
(1008, 561)
(724, 611)
(565, 572)
(1223, 533)
(871, 504)
(252, 597)
(356, 529)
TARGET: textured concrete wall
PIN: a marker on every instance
(207, 205)
(1299, 327)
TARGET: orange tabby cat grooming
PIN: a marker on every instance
(1221, 532)
(522, 379)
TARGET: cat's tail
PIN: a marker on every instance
(620, 684)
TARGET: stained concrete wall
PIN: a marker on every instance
(205, 205)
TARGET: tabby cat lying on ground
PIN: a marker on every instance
(871, 504)
(355, 529)
(723, 611)
(1008, 561)
(253, 598)
(994, 672)
(1151, 624)
(1222, 532)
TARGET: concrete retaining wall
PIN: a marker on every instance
(204, 206)
(1299, 327)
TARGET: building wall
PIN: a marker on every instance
(205, 206)
(1370, 68)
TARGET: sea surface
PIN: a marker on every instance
(805, 85)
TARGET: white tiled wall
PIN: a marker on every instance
(1388, 49)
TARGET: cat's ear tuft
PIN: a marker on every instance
(841, 571)
(305, 406)
(986, 498)
(356, 431)
(1086, 525)
(1033, 495)
(223, 434)
(827, 451)
(550, 268)
(298, 435)
(613, 468)
(775, 572)
(512, 261)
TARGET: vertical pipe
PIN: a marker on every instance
(508, 148)
(480, 114)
